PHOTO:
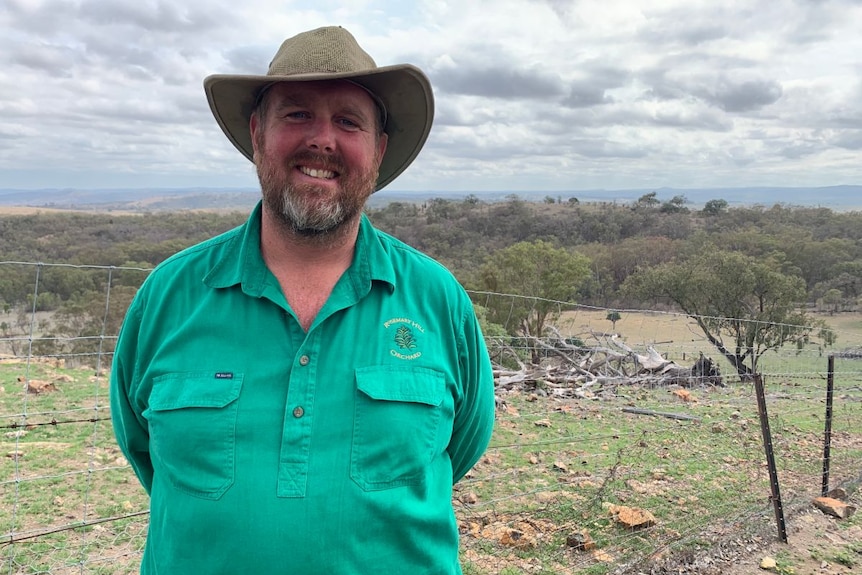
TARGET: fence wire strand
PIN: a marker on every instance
(595, 463)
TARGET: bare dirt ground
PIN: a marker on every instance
(818, 544)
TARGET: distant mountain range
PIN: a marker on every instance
(839, 198)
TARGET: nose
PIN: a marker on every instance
(320, 136)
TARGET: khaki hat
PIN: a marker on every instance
(332, 53)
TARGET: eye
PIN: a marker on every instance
(348, 124)
(297, 115)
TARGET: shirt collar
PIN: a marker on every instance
(242, 262)
(371, 259)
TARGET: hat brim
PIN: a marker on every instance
(403, 89)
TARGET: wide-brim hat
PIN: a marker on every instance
(332, 53)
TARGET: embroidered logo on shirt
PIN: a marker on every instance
(405, 338)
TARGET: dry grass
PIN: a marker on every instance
(553, 463)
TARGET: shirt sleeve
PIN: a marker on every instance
(474, 415)
(130, 427)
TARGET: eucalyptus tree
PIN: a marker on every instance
(530, 281)
(744, 306)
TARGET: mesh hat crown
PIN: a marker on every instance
(332, 53)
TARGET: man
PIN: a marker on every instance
(299, 394)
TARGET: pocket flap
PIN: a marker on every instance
(182, 390)
(411, 384)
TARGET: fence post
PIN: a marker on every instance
(827, 433)
(770, 457)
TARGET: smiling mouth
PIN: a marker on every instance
(318, 174)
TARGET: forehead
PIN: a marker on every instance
(339, 92)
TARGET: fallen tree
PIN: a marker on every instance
(572, 369)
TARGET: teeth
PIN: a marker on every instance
(323, 174)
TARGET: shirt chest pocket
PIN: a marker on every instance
(192, 424)
(399, 426)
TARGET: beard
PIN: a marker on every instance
(308, 210)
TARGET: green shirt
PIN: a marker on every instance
(266, 449)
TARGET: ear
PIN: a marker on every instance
(253, 127)
(382, 140)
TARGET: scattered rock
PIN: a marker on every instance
(834, 507)
(837, 493)
(768, 564)
(581, 541)
(36, 386)
(602, 556)
(470, 498)
(491, 459)
(546, 496)
(517, 539)
(631, 517)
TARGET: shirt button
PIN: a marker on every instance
(298, 412)
(304, 360)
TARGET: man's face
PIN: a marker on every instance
(317, 152)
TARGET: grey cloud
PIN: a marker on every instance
(744, 96)
(585, 97)
(676, 30)
(694, 118)
(689, 27)
(44, 19)
(142, 60)
(733, 90)
(817, 20)
(699, 60)
(849, 140)
(499, 82)
(680, 76)
(541, 146)
(560, 7)
(665, 92)
(127, 115)
(57, 61)
(693, 121)
(799, 150)
(159, 16)
(62, 18)
(847, 117)
(248, 60)
(450, 113)
(606, 149)
(14, 132)
(591, 90)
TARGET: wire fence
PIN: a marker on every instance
(622, 439)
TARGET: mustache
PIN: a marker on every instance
(329, 162)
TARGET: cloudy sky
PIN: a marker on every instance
(552, 95)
